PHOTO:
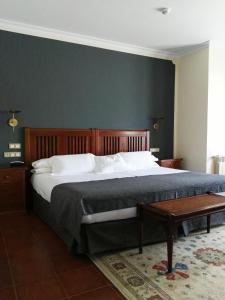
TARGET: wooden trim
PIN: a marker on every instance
(147, 139)
(93, 144)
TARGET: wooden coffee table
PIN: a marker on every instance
(173, 212)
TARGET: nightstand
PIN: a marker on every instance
(170, 163)
(12, 188)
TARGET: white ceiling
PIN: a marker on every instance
(133, 22)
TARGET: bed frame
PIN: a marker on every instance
(45, 142)
(96, 237)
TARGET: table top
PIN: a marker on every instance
(8, 167)
(196, 205)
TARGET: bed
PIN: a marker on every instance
(98, 225)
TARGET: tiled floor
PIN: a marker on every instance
(35, 265)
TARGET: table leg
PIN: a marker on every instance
(140, 226)
(208, 223)
(170, 231)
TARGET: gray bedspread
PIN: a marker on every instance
(71, 201)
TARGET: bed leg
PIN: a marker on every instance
(208, 223)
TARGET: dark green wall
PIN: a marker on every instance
(58, 84)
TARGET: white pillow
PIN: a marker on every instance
(110, 164)
(41, 170)
(72, 164)
(140, 160)
(41, 163)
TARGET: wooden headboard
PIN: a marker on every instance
(45, 142)
(113, 141)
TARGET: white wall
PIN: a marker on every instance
(191, 104)
(216, 104)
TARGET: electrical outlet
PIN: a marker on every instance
(11, 146)
(14, 146)
(155, 150)
(17, 154)
(17, 146)
(12, 154)
(7, 154)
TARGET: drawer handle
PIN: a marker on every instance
(6, 177)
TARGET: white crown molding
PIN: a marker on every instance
(219, 44)
(188, 51)
(81, 39)
(193, 49)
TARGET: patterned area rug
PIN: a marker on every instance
(199, 269)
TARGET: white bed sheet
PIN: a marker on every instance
(43, 184)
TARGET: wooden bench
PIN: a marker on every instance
(173, 212)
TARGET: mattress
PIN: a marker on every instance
(43, 184)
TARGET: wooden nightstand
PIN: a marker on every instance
(12, 188)
(170, 163)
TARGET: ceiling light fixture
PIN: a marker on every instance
(165, 10)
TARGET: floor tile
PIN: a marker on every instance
(44, 290)
(2, 248)
(51, 242)
(64, 262)
(7, 294)
(14, 220)
(36, 255)
(17, 240)
(31, 252)
(38, 225)
(83, 279)
(105, 293)
(29, 269)
(5, 277)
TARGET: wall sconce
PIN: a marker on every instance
(13, 121)
(156, 122)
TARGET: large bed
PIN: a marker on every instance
(101, 213)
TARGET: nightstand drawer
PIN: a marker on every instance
(12, 189)
(7, 187)
(9, 177)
